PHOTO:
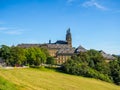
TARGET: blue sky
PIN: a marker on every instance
(94, 23)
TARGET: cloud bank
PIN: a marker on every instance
(93, 3)
(70, 1)
(88, 3)
(10, 31)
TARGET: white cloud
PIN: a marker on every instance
(14, 32)
(93, 3)
(11, 31)
(70, 1)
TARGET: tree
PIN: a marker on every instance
(91, 64)
(88, 64)
(35, 56)
(98, 62)
(82, 69)
(45, 51)
(50, 60)
(40, 55)
(119, 60)
(115, 71)
(17, 56)
(5, 53)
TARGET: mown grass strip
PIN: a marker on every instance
(7, 85)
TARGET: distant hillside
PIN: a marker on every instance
(45, 79)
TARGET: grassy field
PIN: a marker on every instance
(45, 79)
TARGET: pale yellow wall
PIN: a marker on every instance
(62, 59)
(52, 52)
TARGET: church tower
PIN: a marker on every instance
(69, 37)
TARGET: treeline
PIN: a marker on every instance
(17, 56)
(92, 64)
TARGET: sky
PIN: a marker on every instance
(94, 24)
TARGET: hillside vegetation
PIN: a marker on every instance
(46, 79)
(90, 63)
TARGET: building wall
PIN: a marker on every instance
(52, 52)
(62, 58)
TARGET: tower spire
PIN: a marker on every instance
(69, 37)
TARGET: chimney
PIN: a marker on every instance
(49, 41)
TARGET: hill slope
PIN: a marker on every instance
(35, 79)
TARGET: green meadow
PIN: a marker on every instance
(47, 79)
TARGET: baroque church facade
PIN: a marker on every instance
(61, 50)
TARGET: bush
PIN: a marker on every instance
(82, 69)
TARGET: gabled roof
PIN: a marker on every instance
(61, 42)
(66, 51)
(49, 46)
(107, 56)
(28, 45)
(80, 49)
(57, 46)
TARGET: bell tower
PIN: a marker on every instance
(69, 37)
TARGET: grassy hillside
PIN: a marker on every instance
(7, 85)
(35, 79)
